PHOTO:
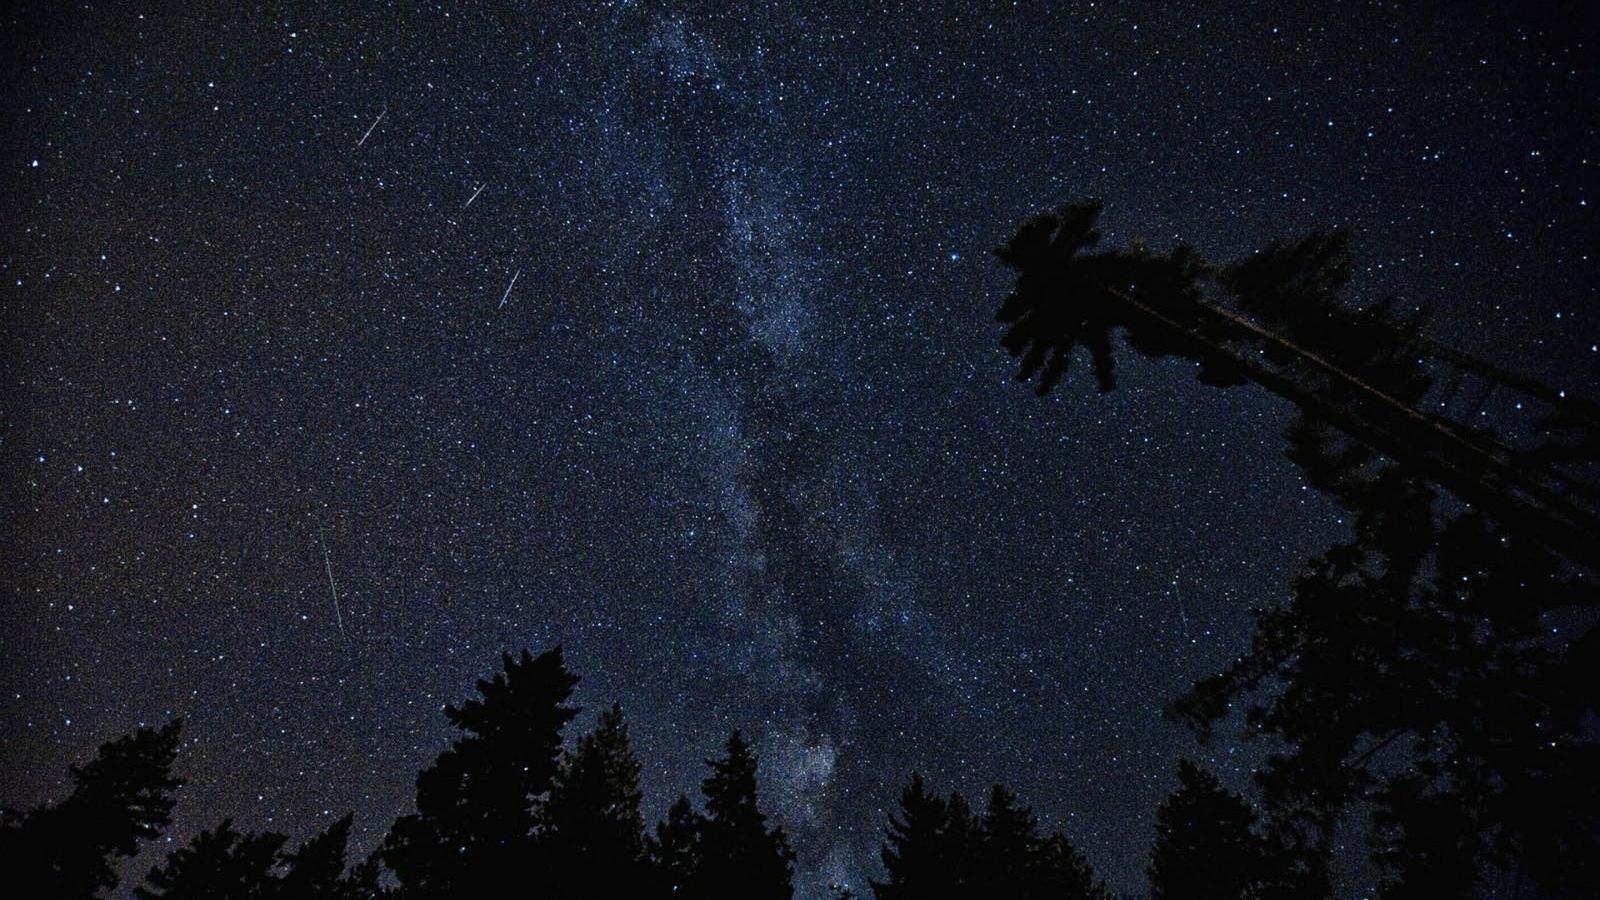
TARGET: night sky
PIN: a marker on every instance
(739, 435)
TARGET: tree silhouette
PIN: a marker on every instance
(739, 855)
(1277, 319)
(1014, 860)
(474, 826)
(1206, 847)
(1430, 632)
(1065, 297)
(317, 869)
(591, 832)
(1009, 834)
(935, 850)
(1416, 671)
(1425, 836)
(675, 849)
(1438, 668)
(220, 863)
(225, 864)
(961, 839)
(925, 853)
(1062, 873)
(121, 797)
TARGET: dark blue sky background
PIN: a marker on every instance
(740, 436)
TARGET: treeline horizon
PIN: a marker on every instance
(507, 804)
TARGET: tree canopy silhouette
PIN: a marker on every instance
(217, 863)
(1438, 668)
(936, 850)
(123, 796)
(1415, 670)
(504, 805)
(318, 869)
(503, 808)
(927, 849)
(675, 848)
(1207, 847)
(225, 863)
(739, 856)
(591, 831)
(1277, 319)
(475, 822)
(1497, 771)
(1067, 297)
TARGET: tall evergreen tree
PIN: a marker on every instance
(961, 839)
(592, 834)
(1205, 846)
(675, 849)
(120, 798)
(1060, 872)
(923, 854)
(317, 869)
(473, 829)
(317, 866)
(1014, 860)
(1009, 835)
(739, 855)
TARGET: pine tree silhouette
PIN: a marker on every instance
(962, 837)
(1205, 848)
(1062, 873)
(1425, 836)
(1008, 833)
(675, 849)
(936, 851)
(123, 796)
(317, 869)
(925, 854)
(739, 855)
(317, 866)
(473, 831)
(592, 834)
(1419, 678)
(1014, 860)
(225, 864)
(220, 864)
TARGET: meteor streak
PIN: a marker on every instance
(327, 564)
(381, 114)
(508, 289)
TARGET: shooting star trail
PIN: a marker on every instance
(475, 195)
(508, 289)
(327, 564)
(381, 114)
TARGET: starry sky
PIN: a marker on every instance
(664, 331)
